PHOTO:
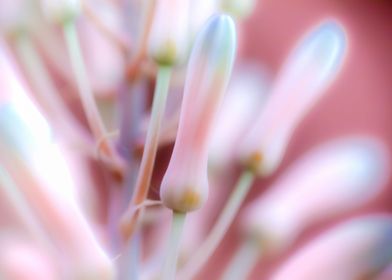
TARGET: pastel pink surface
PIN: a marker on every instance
(6, 74)
(359, 102)
(323, 257)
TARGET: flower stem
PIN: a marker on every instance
(150, 149)
(47, 94)
(170, 266)
(243, 261)
(112, 35)
(220, 228)
(140, 48)
(86, 95)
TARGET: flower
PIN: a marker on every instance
(185, 185)
(238, 8)
(308, 71)
(61, 11)
(331, 179)
(356, 249)
(168, 40)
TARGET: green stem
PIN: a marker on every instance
(221, 226)
(243, 261)
(150, 149)
(86, 95)
(170, 266)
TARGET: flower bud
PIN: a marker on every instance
(302, 81)
(246, 94)
(15, 16)
(201, 12)
(168, 40)
(357, 249)
(61, 11)
(185, 186)
(333, 179)
(238, 8)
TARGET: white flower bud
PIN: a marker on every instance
(238, 8)
(60, 11)
(303, 80)
(185, 184)
(168, 40)
(356, 249)
(334, 178)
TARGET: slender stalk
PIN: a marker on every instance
(130, 257)
(150, 149)
(243, 261)
(220, 228)
(112, 35)
(47, 94)
(53, 48)
(170, 266)
(141, 48)
(131, 106)
(25, 212)
(17, 201)
(86, 95)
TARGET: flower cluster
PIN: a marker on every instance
(123, 125)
